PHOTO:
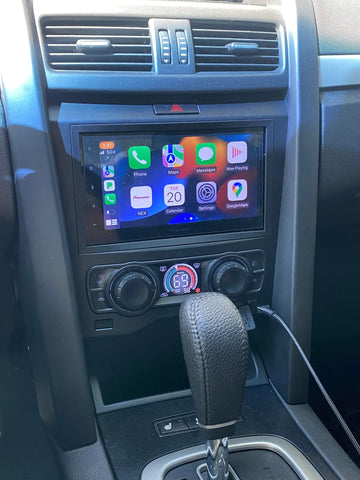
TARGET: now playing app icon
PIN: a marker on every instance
(237, 152)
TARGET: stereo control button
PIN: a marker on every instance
(257, 260)
(97, 279)
(256, 282)
(99, 301)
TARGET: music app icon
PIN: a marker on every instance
(237, 152)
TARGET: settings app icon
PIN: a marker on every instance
(206, 192)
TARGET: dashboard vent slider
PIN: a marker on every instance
(92, 44)
(229, 46)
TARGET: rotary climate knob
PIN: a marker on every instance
(133, 291)
(230, 277)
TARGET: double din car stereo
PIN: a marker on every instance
(172, 182)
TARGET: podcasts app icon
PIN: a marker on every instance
(237, 190)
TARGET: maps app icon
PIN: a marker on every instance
(173, 155)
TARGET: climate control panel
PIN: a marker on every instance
(132, 289)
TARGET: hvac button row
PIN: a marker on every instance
(173, 425)
(97, 281)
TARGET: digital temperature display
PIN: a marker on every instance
(181, 279)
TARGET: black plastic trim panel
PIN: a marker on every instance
(7, 199)
(294, 268)
(132, 431)
(151, 82)
(339, 193)
(45, 273)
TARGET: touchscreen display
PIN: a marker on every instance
(159, 185)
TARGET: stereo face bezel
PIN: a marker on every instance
(212, 126)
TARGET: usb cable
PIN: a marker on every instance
(265, 310)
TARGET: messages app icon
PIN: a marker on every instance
(205, 153)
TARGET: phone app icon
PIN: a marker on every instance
(205, 153)
(237, 152)
(109, 185)
(237, 190)
(141, 197)
(139, 157)
(174, 195)
(173, 155)
(206, 192)
(108, 171)
(110, 198)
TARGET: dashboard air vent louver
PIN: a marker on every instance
(120, 45)
(235, 46)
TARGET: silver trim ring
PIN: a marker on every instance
(219, 425)
(157, 469)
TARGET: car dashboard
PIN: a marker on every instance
(162, 150)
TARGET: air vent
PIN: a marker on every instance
(93, 45)
(235, 46)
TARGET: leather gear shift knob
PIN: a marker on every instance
(216, 351)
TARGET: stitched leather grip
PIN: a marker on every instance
(216, 350)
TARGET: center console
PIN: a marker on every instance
(155, 186)
(173, 206)
(158, 210)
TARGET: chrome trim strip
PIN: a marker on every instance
(339, 70)
(217, 459)
(157, 469)
(219, 425)
(200, 469)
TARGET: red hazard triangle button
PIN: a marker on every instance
(176, 109)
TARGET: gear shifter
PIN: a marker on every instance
(216, 350)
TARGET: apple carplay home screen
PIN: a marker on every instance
(160, 185)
